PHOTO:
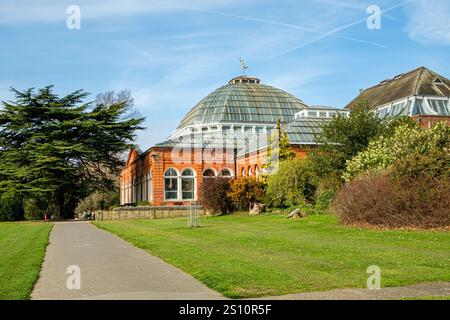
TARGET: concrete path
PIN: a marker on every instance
(430, 289)
(111, 268)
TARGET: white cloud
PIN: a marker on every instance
(429, 21)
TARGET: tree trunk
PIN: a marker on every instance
(59, 204)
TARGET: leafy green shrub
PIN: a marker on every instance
(384, 201)
(292, 185)
(214, 195)
(36, 208)
(143, 204)
(11, 208)
(323, 199)
(434, 164)
(244, 191)
(405, 142)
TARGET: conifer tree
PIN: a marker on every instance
(61, 148)
(278, 148)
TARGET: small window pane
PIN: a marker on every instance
(187, 185)
(225, 173)
(171, 188)
(188, 172)
(170, 173)
(209, 173)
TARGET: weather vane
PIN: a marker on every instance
(243, 66)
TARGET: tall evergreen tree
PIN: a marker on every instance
(278, 148)
(62, 148)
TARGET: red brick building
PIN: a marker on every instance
(226, 133)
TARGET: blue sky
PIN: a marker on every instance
(170, 54)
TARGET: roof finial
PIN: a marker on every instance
(243, 66)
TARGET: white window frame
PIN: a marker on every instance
(179, 178)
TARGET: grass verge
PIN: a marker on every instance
(22, 251)
(242, 256)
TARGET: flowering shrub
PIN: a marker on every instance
(406, 141)
(246, 190)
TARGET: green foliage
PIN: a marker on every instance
(278, 148)
(292, 185)
(324, 198)
(244, 191)
(343, 137)
(11, 208)
(36, 208)
(408, 143)
(61, 146)
(435, 164)
(98, 201)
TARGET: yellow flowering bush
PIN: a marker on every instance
(406, 141)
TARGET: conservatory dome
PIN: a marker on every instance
(244, 100)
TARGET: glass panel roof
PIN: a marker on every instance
(256, 103)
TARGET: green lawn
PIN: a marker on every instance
(22, 250)
(242, 256)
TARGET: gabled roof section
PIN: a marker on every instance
(420, 81)
(133, 155)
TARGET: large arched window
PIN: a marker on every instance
(171, 184)
(134, 190)
(243, 172)
(257, 171)
(225, 173)
(143, 188)
(149, 186)
(209, 173)
(250, 171)
(188, 184)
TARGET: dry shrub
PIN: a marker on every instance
(214, 195)
(382, 201)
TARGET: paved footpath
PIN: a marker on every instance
(111, 268)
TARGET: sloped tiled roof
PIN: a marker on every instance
(420, 81)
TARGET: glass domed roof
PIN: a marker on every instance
(244, 100)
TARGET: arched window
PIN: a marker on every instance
(171, 184)
(257, 171)
(225, 173)
(249, 171)
(208, 173)
(149, 186)
(243, 172)
(188, 184)
(134, 190)
(143, 188)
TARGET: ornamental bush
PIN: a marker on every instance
(407, 141)
(384, 201)
(292, 185)
(244, 191)
(214, 195)
(324, 198)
